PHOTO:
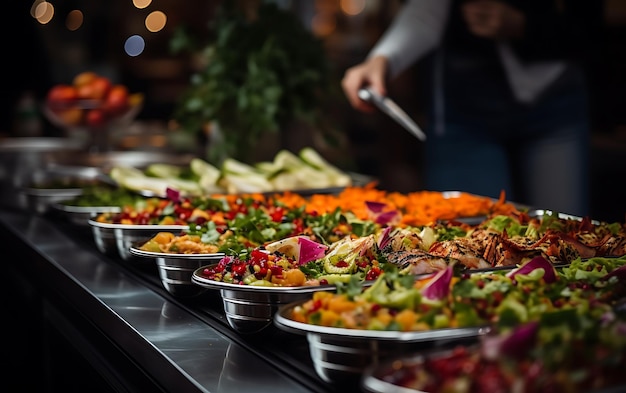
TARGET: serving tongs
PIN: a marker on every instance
(388, 106)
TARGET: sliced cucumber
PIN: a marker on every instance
(335, 278)
(233, 166)
(288, 160)
(163, 170)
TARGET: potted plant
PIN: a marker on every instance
(258, 75)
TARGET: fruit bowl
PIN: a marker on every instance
(90, 121)
(91, 108)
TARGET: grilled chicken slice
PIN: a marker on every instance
(417, 261)
(465, 250)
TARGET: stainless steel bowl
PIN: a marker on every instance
(176, 270)
(126, 236)
(57, 184)
(80, 215)
(340, 356)
(104, 237)
(21, 157)
(39, 200)
(251, 309)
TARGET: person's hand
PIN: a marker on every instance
(493, 19)
(371, 73)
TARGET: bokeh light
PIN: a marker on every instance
(74, 20)
(43, 11)
(352, 7)
(134, 45)
(141, 4)
(155, 21)
(323, 24)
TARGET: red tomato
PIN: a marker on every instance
(95, 118)
(70, 116)
(97, 89)
(61, 95)
(116, 101)
(101, 86)
(84, 78)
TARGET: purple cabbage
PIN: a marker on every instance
(439, 286)
(310, 250)
(375, 207)
(301, 248)
(172, 194)
(515, 344)
(549, 275)
(386, 217)
(620, 273)
(385, 238)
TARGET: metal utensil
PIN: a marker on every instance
(388, 106)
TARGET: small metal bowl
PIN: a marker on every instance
(126, 236)
(176, 270)
(340, 356)
(39, 200)
(80, 215)
(57, 184)
(250, 309)
(104, 237)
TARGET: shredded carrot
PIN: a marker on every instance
(416, 208)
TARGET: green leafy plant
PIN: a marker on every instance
(259, 75)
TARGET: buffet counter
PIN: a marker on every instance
(82, 320)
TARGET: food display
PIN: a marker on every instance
(439, 282)
(346, 245)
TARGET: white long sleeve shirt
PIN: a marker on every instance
(418, 29)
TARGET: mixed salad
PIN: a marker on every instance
(568, 335)
(579, 294)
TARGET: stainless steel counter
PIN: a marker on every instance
(175, 344)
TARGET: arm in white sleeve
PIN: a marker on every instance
(416, 29)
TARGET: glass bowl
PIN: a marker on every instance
(92, 121)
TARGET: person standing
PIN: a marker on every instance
(509, 107)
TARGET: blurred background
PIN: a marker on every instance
(131, 42)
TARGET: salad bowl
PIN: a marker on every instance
(250, 309)
(340, 356)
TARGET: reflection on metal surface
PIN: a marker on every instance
(238, 375)
(173, 345)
